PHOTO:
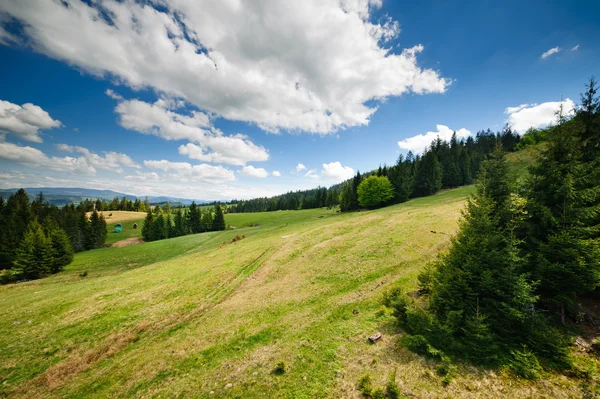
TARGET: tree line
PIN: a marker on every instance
(524, 254)
(162, 223)
(38, 239)
(442, 165)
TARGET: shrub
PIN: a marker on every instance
(375, 191)
(279, 368)
(365, 386)
(525, 364)
(8, 276)
(391, 388)
(83, 273)
(398, 302)
(378, 394)
(425, 278)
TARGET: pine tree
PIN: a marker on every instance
(147, 231)
(354, 194)
(193, 219)
(206, 221)
(34, 255)
(62, 251)
(562, 235)
(219, 220)
(346, 198)
(180, 224)
(428, 178)
(479, 293)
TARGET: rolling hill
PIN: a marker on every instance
(203, 316)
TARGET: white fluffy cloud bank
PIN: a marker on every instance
(420, 142)
(212, 145)
(335, 172)
(524, 116)
(25, 121)
(251, 171)
(188, 173)
(87, 164)
(294, 65)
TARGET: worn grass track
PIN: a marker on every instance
(200, 316)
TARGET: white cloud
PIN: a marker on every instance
(525, 116)
(276, 173)
(25, 121)
(420, 142)
(312, 173)
(334, 171)
(188, 173)
(213, 145)
(251, 171)
(548, 53)
(575, 48)
(300, 167)
(35, 158)
(112, 161)
(143, 176)
(302, 66)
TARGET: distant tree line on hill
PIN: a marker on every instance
(442, 165)
(161, 223)
(522, 259)
(116, 204)
(38, 239)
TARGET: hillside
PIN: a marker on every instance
(199, 314)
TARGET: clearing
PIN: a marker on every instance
(202, 316)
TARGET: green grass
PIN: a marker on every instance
(200, 316)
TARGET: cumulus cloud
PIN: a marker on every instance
(548, 53)
(213, 145)
(334, 171)
(35, 158)
(112, 161)
(300, 167)
(276, 173)
(524, 116)
(312, 173)
(25, 121)
(303, 66)
(188, 173)
(420, 142)
(251, 171)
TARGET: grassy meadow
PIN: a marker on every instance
(202, 316)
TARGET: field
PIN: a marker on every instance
(202, 316)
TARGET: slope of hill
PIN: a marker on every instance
(202, 316)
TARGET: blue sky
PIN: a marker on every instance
(210, 100)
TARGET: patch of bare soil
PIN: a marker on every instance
(127, 242)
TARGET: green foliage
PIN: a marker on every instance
(218, 223)
(62, 251)
(375, 191)
(365, 386)
(34, 255)
(391, 388)
(279, 369)
(425, 278)
(428, 179)
(525, 364)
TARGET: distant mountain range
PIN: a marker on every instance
(65, 195)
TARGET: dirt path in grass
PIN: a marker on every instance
(128, 241)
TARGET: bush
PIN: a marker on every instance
(279, 368)
(378, 394)
(425, 278)
(525, 364)
(365, 386)
(398, 302)
(375, 191)
(391, 388)
(8, 276)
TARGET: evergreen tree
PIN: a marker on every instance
(346, 198)
(34, 255)
(193, 219)
(206, 221)
(562, 235)
(62, 251)
(147, 229)
(428, 179)
(479, 294)
(219, 220)
(180, 225)
(96, 232)
(354, 195)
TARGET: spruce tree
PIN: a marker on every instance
(479, 294)
(34, 255)
(147, 231)
(62, 251)
(219, 219)
(428, 178)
